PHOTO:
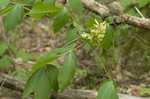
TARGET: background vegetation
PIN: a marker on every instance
(50, 51)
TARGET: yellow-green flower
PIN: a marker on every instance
(86, 36)
(99, 30)
(96, 34)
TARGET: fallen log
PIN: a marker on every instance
(104, 11)
(16, 84)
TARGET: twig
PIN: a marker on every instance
(104, 11)
(138, 11)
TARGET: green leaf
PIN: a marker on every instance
(132, 12)
(52, 56)
(44, 61)
(52, 74)
(40, 9)
(30, 1)
(25, 56)
(5, 10)
(71, 33)
(3, 48)
(109, 19)
(143, 3)
(13, 47)
(108, 38)
(126, 3)
(67, 72)
(5, 61)
(78, 27)
(61, 19)
(22, 74)
(107, 91)
(76, 5)
(43, 82)
(49, 2)
(90, 22)
(38, 1)
(14, 17)
(4, 2)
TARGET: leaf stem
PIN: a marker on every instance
(72, 41)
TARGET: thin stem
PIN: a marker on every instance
(138, 11)
(104, 67)
(72, 41)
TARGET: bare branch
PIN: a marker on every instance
(104, 11)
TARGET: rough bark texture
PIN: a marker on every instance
(96, 7)
(15, 84)
(132, 20)
(104, 11)
(11, 82)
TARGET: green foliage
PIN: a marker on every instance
(109, 19)
(22, 74)
(81, 73)
(13, 47)
(43, 82)
(25, 56)
(90, 22)
(61, 19)
(147, 54)
(30, 2)
(49, 2)
(3, 48)
(44, 61)
(6, 58)
(14, 17)
(132, 12)
(87, 47)
(52, 56)
(78, 26)
(99, 60)
(40, 9)
(144, 90)
(5, 10)
(71, 33)
(5, 61)
(107, 91)
(108, 38)
(130, 4)
(76, 5)
(67, 72)
(46, 77)
(4, 2)
(143, 3)
(125, 3)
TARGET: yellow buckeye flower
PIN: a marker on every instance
(86, 36)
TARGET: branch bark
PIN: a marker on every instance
(16, 84)
(104, 11)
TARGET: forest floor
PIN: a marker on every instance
(37, 38)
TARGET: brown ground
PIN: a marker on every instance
(38, 38)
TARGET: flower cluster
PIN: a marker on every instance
(96, 34)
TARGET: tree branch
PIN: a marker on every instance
(104, 11)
